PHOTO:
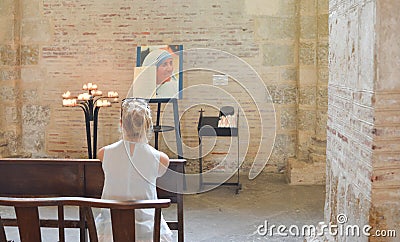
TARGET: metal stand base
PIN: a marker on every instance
(237, 184)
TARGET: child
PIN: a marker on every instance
(131, 167)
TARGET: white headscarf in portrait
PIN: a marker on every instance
(156, 57)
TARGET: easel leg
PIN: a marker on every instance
(177, 129)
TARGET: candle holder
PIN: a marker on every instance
(91, 100)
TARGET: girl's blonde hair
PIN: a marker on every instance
(136, 120)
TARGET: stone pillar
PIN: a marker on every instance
(277, 31)
(350, 116)
(35, 100)
(10, 76)
(385, 194)
(363, 151)
(308, 166)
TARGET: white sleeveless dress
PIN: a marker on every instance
(131, 179)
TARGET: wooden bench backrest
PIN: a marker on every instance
(51, 177)
(122, 216)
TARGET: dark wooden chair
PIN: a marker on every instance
(122, 216)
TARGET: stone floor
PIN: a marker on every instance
(221, 215)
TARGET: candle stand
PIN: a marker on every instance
(90, 101)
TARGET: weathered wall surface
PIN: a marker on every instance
(312, 95)
(68, 43)
(10, 78)
(362, 142)
(350, 111)
(385, 210)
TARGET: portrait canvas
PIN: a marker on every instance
(158, 72)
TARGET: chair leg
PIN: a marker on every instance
(28, 224)
(157, 225)
(87, 211)
(61, 224)
(82, 226)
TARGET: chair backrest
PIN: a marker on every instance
(122, 216)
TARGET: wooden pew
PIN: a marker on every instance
(24, 177)
(122, 216)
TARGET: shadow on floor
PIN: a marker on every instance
(221, 215)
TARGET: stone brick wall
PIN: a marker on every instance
(362, 141)
(65, 44)
(312, 95)
(10, 78)
(313, 79)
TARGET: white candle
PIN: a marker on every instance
(229, 118)
(66, 95)
(84, 87)
(226, 122)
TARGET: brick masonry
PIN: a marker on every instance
(48, 47)
(363, 115)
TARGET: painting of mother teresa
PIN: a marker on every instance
(158, 72)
